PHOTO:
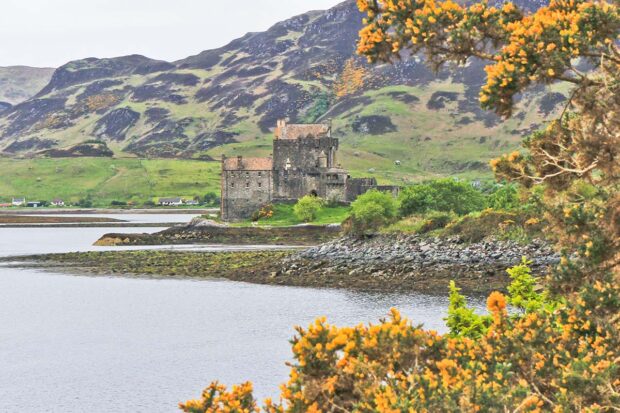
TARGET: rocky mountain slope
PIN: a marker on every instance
(19, 83)
(227, 100)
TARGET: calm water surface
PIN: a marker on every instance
(137, 218)
(105, 344)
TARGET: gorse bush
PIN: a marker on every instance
(523, 296)
(435, 220)
(265, 212)
(373, 210)
(561, 352)
(307, 208)
(445, 195)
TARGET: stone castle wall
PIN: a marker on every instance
(304, 153)
(244, 192)
(302, 164)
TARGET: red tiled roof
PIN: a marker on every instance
(247, 164)
(294, 131)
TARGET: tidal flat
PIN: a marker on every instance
(286, 267)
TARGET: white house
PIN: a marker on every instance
(58, 202)
(171, 201)
(19, 201)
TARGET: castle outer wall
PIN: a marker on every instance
(304, 163)
(246, 186)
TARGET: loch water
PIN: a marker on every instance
(71, 343)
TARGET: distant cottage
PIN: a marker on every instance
(18, 201)
(303, 163)
(171, 201)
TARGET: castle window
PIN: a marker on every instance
(260, 173)
(260, 184)
(232, 184)
(247, 174)
(247, 184)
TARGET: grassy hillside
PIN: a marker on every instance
(430, 137)
(227, 100)
(105, 180)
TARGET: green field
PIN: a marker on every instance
(104, 180)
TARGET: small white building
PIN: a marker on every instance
(58, 202)
(171, 201)
(18, 201)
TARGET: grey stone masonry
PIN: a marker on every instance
(304, 163)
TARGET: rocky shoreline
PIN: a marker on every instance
(383, 263)
(413, 262)
(205, 232)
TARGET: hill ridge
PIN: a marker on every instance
(227, 100)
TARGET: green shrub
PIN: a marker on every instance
(522, 295)
(505, 197)
(523, 290)
(513, 231)
(446, 195)
(319, 107)
(85, 203)
(307, 208)
(211, 198)
(373, 210)
(478, 225)
(462, 320)
(534, 202)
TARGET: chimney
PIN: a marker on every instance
(329, 127)
(280, 124)
(239, 161)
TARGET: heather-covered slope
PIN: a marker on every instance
(227, 101)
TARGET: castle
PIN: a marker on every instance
(303, 163)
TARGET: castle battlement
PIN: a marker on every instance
(304, 162)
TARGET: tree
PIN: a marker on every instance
(561, 359)
(307, 208)
(211, 198)
(372, 210)
(446, 195)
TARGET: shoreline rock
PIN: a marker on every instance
(413, 262)
(204, 232)
(384, 263)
